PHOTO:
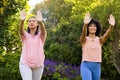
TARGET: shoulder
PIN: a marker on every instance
(25, 32)
(98, 38)
(39, 32)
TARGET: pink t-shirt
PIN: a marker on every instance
(32, 50)
(91, 50)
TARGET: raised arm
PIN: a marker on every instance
(43, 30)
(42, 27)
(22, 18)
(104, 38)
(87, 19)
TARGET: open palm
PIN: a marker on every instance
(87, 18)
(111, 20)
(22, 15)
(39, 16)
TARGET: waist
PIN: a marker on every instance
(91, 65)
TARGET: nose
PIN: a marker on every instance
(32, 22)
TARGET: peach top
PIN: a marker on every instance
(32, 50)
(91, 50)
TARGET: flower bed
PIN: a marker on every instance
(60, 71)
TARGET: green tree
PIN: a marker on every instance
(111, 48)
(8, 23)
(9, 38)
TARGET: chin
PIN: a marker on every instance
(32, 27)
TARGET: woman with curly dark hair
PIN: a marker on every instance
(92, 47)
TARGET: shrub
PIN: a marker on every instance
(9, 67)
(60, 71)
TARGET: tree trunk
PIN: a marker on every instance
(116, 49)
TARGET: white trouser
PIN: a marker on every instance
(28, 73)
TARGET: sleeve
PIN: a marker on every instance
(42, 39)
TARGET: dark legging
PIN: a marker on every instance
(90, 70)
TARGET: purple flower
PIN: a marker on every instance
(65, 70)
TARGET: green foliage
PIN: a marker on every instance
(62, 52)
(57, 76)
(60, 71)
(108, 8)
(9, 38)
(9, 67)
(64, 45)
(53, 11)
(9, 24)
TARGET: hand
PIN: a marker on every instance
(111, 20)
(39, 16)
(87, 18)
(22, 15)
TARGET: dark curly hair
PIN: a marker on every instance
(97, 23)
(37, 30)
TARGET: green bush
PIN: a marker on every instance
(9, 67)
(60, 71)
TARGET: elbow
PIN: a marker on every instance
(81, 40)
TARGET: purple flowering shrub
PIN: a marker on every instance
(60, 71)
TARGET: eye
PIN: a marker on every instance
(29, 21)
(33, 20)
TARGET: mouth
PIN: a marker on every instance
(31, 25)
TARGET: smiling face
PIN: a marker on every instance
(92, 28)
(32, 23)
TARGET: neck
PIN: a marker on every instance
(32, 31)
(92, 36)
